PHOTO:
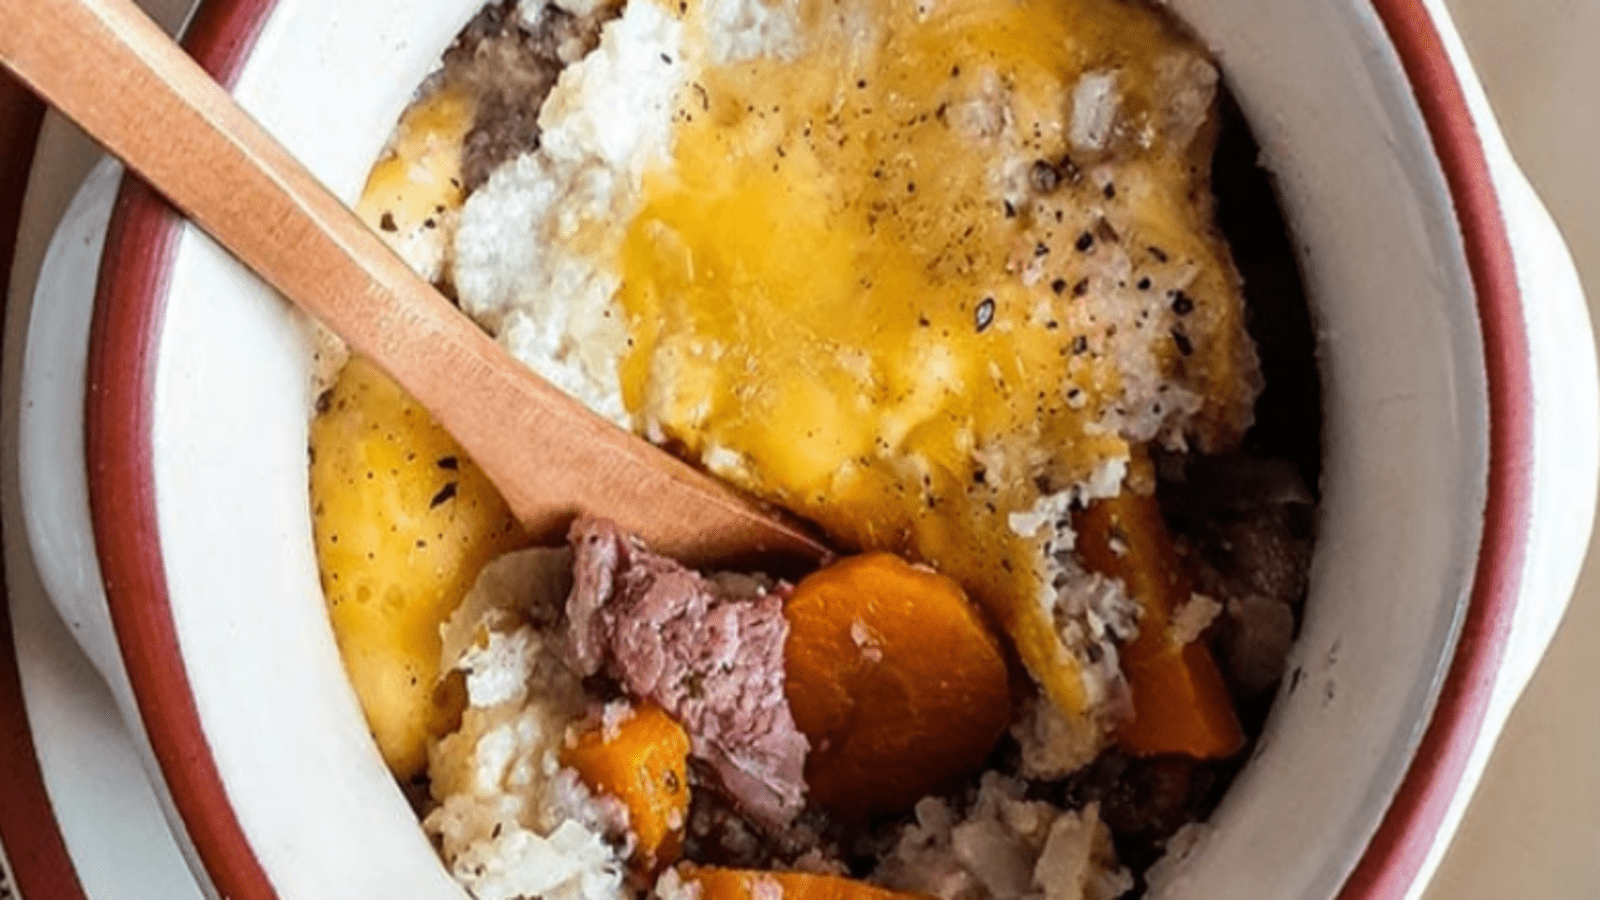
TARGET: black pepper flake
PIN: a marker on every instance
(1043, 177)
(666, 59)
(1185, 346)
(911, 187)
(1080, 345)
(1052, 325)
(955, 71)
(1144, 284)
(429, 223)
(1041, 249)
(387, 222)
(1158, 253)
(1109, 191)
(922, 321)
(861, 83)
(449, 462)
(980, 476)
(1059, 285)
(1181, 303)
(1011, 211)
(1081, 288)
(1085, 242)
(985, 314)
(444, 495)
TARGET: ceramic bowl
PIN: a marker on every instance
(1459, 469)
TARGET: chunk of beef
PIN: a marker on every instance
(712, 660)
(509, 65)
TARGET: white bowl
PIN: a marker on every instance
(1459, 470)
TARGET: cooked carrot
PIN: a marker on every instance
(743, 884)
(645, 765)
(1181, 704)
(896, 680)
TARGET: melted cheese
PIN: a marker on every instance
(413, 192)
(944, 261)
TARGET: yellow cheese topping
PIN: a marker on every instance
(907, 281)
(414, 192)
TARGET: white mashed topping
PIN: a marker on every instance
(1092, 614)
(749, 29)
(606, 122)
(1005, 848)
(1055, 509)
(1094, 110)
(511, 822)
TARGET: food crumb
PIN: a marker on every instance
(612, 718)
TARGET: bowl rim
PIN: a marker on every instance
(119, 415)
(1399, 849)
(33, 851)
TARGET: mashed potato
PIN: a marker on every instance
(511, 821)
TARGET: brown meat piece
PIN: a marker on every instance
(510, 68)
(712, 661)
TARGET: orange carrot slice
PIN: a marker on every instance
(1181, 704)
(645, 765)
(742, 884)
(896, 680)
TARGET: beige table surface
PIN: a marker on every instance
(1533, 831)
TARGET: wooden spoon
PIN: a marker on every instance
(107, 66)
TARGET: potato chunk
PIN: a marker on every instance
(403, 522)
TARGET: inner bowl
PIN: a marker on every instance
(201, 392)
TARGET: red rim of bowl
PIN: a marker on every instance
(29, 836)
(130, 306)
(129, 313)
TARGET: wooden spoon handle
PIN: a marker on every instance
(107, 66)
